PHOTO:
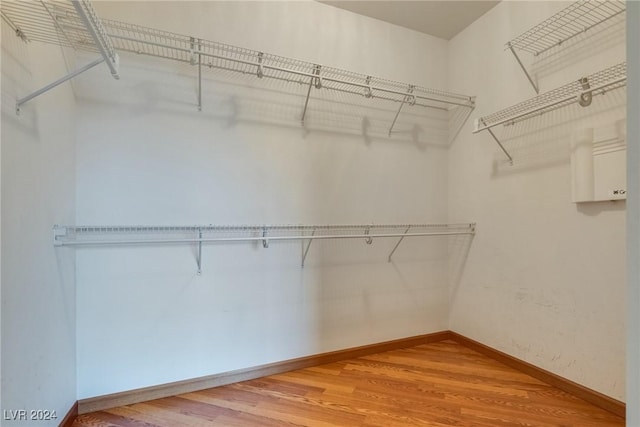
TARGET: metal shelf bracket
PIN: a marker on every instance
(526, 72)
(368, 240)
(260, 71)
(199, 76)
(199, 256)
(265, 242)
(495, 138)
(408, 98)
(586, 96)
(314, 81)
(368, 93)
(306, 251)
(58, 234)
(398, 244)
(23, 100)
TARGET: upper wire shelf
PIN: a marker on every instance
(143, 235)
(580, 91)
(75, 24)
(213, 55)
(575, 19)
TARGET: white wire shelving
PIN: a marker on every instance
(575, 19)
(214, 55)
(57, 23)
(579, 91)
(73, 24)
(66, 235)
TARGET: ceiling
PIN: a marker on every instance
(442, 18)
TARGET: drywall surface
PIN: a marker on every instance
(38, 288)
(544, 280)
(146, 155)
(633, 217)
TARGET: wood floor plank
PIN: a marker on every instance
(441, 384)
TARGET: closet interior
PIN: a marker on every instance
(201, 210)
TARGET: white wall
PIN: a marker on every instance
(145, 155)
(38, 190)
(545, 278)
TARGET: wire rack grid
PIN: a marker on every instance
(77, 230)
(600, 82)
(58, 22)
(214, 55)
(571, 21)
(54, 22)
(199, 234)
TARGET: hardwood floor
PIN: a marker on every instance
(436, 385)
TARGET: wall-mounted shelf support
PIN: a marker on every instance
(398, 244)
(408, 98)
(580, 91)
(306, 251)
(367, 232)
(23, 100)
(313, 81)
(163, 235)
(495, 138)
(575, 19)
(199, 258)
(199, 62)
(526, 72)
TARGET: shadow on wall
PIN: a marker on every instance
(230, 99)
(544, 141)
(408, 293)
(459, 248)
(596, 208)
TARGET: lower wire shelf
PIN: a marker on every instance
(68, 235)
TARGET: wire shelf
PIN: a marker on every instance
(570, 22)
(55, 22)
(566, 24)
(58, 22)
(598, 83)
(580, 91)
(163, 44)
(78, 230)
(199, 234)
(74, 24)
